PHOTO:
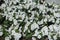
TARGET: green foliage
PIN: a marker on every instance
(17, 30)
(5, 33)
(7, 23)
(40, 16)
(1, 11)
(28, 35)
(21, 0)
(58, 38)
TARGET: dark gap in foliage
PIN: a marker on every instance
(1, 2)
(2, 19)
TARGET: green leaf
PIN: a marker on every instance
(17, 30)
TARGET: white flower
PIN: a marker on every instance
(45, 30)
(33, 38)
(15, 22)
(57, 14)
(1, 33)
(11, 18)
(3, 5)
(51, 27)
(57, 21)
(49, 37)
(55, 27)
(13, 32)
(8, 8)
(39, 36)
(40, 22)
(16, 27)
(41, 7)
(45, 20)
(17, 0)
(26, 26)
(7, 38)
(55, 37)
(56, 6)
(17, 36)
(14, 1)
(29, 11)
(52, 18)
(34, 26)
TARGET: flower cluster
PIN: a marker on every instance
(28, 19)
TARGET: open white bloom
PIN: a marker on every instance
(51, 27)
(55, 37)
(41, 7)
(33, 38)
(15, 22)
(57, 14)
(17, 36)
(1, 33)
(55, 28)
(40, 22)
(49, 37)
(3, 5)
(57, 21)
(44, 30)
(13, 32)
(7, 38)
(39, 36)
(34, 26)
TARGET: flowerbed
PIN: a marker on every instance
(28, 20)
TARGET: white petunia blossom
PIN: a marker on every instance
(17, 36)
(45, 30)
(33, 38)
(34, 26)
(1, 33)
(39, 36)
(7, 38)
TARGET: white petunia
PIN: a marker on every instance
(41, 7)
(55, 27)
(57, 14)
(34, 26)
(8, 8)
(3, 5)
(40, 22)
(55, 37)
(51, 27)
(17, 36)
(45, 30)
(15, 22)
(39, 36)
(7, 38)
(13, 32)
(1, 33)
(57, 21)
(33, 38)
